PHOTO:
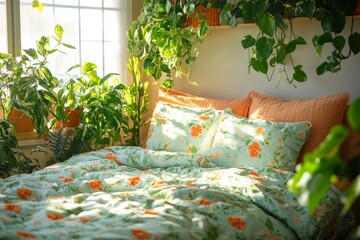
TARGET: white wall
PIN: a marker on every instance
(221, 68)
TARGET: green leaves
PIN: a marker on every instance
(312, 178)
(266, 23)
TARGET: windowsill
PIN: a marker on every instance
(295, 20)
(26, 136)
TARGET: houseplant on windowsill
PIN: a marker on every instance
(28, 83)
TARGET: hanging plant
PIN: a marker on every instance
(276, 41)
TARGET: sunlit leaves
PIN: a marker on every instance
(37, 5)
(312, 178)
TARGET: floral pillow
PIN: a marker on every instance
(243, 142)
(176, 128)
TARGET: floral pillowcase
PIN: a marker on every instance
(176, 128)
(243, 142)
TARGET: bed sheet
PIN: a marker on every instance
(134, 193)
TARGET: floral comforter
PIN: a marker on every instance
(132, 193)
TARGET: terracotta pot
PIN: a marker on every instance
(73, 118)
(212, 15)
(22, 122)
(357, 10)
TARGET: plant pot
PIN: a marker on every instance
(73, 119)
(212, 15)
(357, 10)
(22, 122)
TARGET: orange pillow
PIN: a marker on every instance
(323, 113)
(239, 106)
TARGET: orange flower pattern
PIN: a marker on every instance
(23, 193)
(140, 234)
(16, 208)
(187, 129)
(254, 149)
(95, 185)
(237, 223)
(244, 142)
(196, 130)
(54, 215)
(112, 157)
(134, 180)
(25, 234)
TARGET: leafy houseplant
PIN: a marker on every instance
(160, 39)
(12, 160)
(28, 84)
(277, 41)
(103, 104)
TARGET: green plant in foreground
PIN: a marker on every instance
(323, 166)
(12, 160)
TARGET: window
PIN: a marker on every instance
(3, 41)
(97, 29)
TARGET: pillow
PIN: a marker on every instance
(243, 142)
(176, 128)
(239, 106)
(323, 113)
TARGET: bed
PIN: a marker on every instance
(195, 179)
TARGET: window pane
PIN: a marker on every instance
(91, 3)
(67, 2)
(35, 24)
(97, 33)
(91, 24)
(92, 51)
(3, 40)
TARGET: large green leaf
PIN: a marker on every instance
(266, 23)
(339, 43)
(59, 32)
(354, 42)
(248, 41)
(264, 48)
(353, 114)
(299, 75)
(333, 21)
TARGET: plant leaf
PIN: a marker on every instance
(333, 21)
(299, 75)
(339, 42)
(354, 42)
(248, 41)
(266, 23)
(59, 32)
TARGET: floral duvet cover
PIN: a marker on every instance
(132, 193)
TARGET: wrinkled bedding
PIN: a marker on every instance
(135, 193)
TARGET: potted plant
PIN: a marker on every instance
(12, 160)
(100, 101)
(28, 84)
(208, 11)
